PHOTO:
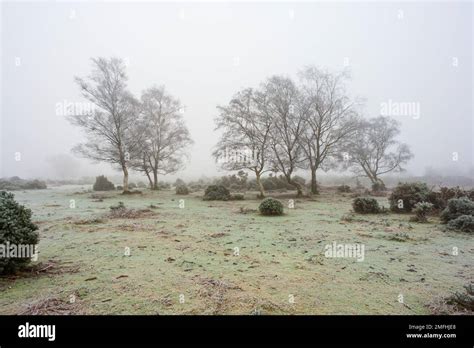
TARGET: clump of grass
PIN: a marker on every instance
(463, 301)
(244, 210)
(89, 221)
(399, 237)
(120, 211)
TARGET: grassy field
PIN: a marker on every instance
(213, 258)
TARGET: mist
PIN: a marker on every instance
(417, 55)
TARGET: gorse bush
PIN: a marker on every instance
(421, 210)
(182, 190)
(216, 193)
(270, 206)
(102, 184)
(16, 229)
(457, 207)
(366, 205)
(463, 223)
(405, 196)
(440, 198)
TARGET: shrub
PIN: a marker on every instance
(366, 205)
(422, 209)
(440, 198)
(164, 185)
(182, 190)
(132, 186)
(119, 206)
(15, 183)
(463, 223)
(457, 207)
(119, 188)
(141, 185)
(237, 197)
(216, 193)
(344, 189)
(463, 301)
(102, 184)
(408, 194)
(179, 182)
(270, 206)
(15, 228)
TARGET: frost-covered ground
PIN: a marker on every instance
(210, 258)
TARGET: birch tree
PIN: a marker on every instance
(110, 128)
(374, 150)
(331, 117)
(164, 133)
(244, 144)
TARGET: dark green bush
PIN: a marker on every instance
(132, 186)
(102, 184)
(270, 206)
(463, 223)
(16, 228)
(119, 188)
(409, 194)
(366, 205)
(182, 190)
(216, 193)
(457, 207)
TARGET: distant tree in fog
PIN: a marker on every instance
(165, 137)
(283, 106)
(330, 118)
(110, 129)
(245, 141)
(373, 151)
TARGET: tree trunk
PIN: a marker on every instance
(314, 183)
(155, 179)
(260, 186)
(295, 184)
(125, 178)
(149, 179)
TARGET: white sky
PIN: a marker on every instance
(193, 49)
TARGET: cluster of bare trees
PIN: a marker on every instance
(146, 135)
(283, 126)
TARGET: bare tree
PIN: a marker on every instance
(165, 136)
(111, 135)
(331, 117)
(244, 143)
(373, 150)
(284, 107)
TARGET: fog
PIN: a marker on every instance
(203, 53)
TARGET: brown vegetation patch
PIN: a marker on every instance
(51, 306)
